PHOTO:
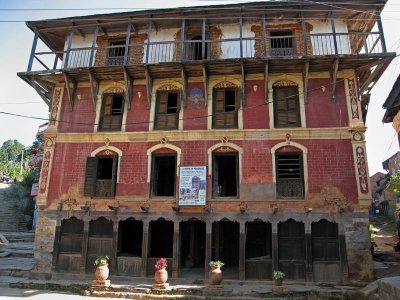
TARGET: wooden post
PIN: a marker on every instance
(33, 50)
(203, 39)
(275, 257)
(379, 22)
(148, 41)
(96, 32)
(182, 37)
(176, 251)
(114, 268)
(309, 262)
(71, 36)
(85, 241)
(343, 254)
(145, 248)
(334, 33)
(127, 40)
(241, 36)
(242, 251)
(208, 248)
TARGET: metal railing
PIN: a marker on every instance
(193, 50)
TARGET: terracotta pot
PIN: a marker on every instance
(215, 276)
(278, 282)
(161, 276)
(102, 272)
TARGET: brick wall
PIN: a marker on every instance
(82, 118)
(330, 163)
(321, 112)
(195, 114)
(137, 118)
(255, 113)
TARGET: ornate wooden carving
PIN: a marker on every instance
(54, 107)
(353, 98)
(362, 170)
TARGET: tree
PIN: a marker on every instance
(10, 157)
(394, 184)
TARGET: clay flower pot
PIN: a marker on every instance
(102, 272)
(278, 282)
(161, 276)
(215, 276)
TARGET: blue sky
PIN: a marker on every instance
(18, 97)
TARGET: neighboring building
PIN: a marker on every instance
(231, 132)
(392, 166)
(392, 107)
(383, 201)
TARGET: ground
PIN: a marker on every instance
(386, 259)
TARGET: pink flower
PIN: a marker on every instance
(161, 264)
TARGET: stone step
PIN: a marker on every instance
(19, 236)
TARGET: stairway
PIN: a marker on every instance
(11, 212)
(16, 242)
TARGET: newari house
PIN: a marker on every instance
(231, 132)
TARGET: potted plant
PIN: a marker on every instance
(161, 274)
(102, 271)
(215, 275)
(278, 277)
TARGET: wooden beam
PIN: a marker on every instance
(266, 74)
(380, 28)
(71, 94)
(305, 80)
(241, 35)
(149, 86)
(244, 102)
(304, 28)
(375, 73)
(33, 50)
(94, 88)
(102, 28)
(95, 33)
(333, 75)
(71, 36)
(184, 86)
(79, 30)
(41, 92)
(264, 30)
(205, 79)
(128, 87)
(203, 39)
(334, 32)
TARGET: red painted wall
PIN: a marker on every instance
(255, 113)
(321, 112)
(195, 115)
(330, 163)
(137, 118)
(82, 118)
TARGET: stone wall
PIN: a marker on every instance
(43, 246)
(358, 245)
(389, 288)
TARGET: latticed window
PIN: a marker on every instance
(101, 176)
(116, 53)
(289, 175)
(225, 110)
(282, 43)
(286, 106)
(111, 112)
(167, 110)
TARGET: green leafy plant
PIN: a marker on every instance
(216, 264)
(278, 275)
(101, 260)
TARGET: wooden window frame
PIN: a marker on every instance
(118, 47)
(291, 185)
(215, 187)
(223, 118)
(92, 186)
(282, 39)
(327, 241)
(289, 98)
(154, 176)
(163, 119)
(109, 114)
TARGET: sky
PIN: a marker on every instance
(18, 97)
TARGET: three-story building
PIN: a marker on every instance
(230, 132)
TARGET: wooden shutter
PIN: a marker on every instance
(219, 108)
(215, 176)
(90, 177)
(286, 107)
(105, 117)
(161, 111)
(114, 175)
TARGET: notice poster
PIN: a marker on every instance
(192, 186)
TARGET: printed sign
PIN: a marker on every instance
(192, 186)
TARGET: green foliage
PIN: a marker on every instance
(278, 275)
(394, 184)
(10, 151)
(101, 260)
(371, 232)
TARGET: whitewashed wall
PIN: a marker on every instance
(79, 57)
(323, 44)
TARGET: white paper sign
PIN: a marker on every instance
(192, 186)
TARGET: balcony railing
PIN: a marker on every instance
(195, 50)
